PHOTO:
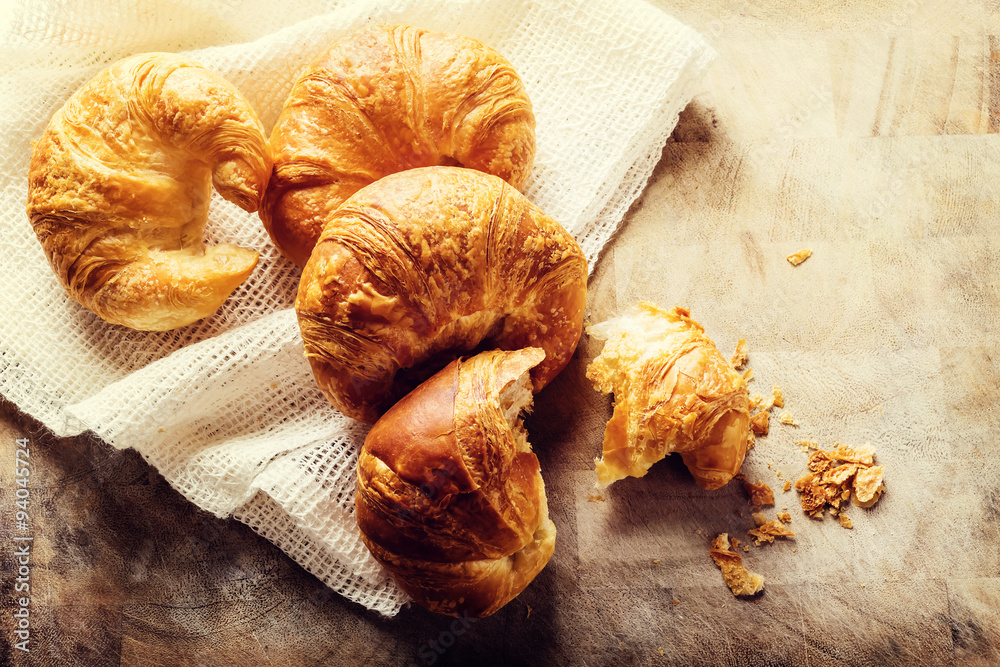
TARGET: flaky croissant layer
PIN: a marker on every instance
(450, 498)
(428, 264)
(120, 182)
(674, 392)
(383, 100)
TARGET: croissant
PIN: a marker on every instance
(674, 392)
(119, 186)
(383, 100)
(450, 499)
(425, 265)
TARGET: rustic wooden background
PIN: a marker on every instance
(865, 130)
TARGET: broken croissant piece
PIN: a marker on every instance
(450, 499)
(740, 580)
(674, 392)
(119, 187)
(429, 264)
(383, 100)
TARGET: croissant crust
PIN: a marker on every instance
(450, 499)
(120, 182)
(383, 100)
(429, 264)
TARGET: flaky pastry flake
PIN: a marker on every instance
(760, 493)
(767, 531)
(836, 477)
(740, 580)
(797, 258)
(760, 422)
(739, 358)
(777, 397)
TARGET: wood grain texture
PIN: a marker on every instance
(866, 131)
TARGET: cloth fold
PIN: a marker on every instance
(227, 409)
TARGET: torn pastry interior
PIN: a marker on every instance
(740, 580)
(450, 498)
(674, 392)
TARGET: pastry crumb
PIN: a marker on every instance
(787, 487)
(785, 517)
(748, 375)
(759, 423)
(739, 580)
(844, 520)
(767, 531)
(760, 493)
(596, 497)
(759, 518)
(675, 602)
(739, 358)
(777, 397)
(797, 258)
(787, 420)
(837, 476)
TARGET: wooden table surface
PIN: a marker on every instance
(866, 131)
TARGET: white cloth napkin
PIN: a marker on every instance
(227, 409)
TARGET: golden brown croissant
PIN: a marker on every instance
(120, 182)
(450, 499)
(383, 100)
(427, 264)
(674, 392)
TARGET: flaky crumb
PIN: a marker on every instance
(868, 485)
(748, 375)
(660, 649)
(797, 258)
(844, 520)
(837, 476)
(596, 497)
(787, 420)
(759, 518)
(777, 397)
(740, 580)
(739, 358)
(675, 602)
(785, 517)
(767, 531)
(756, 400)
(787, 487)
(760, 493)
(759, 423)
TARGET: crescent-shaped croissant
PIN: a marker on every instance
(450, 498)
(674, 392)
(383, 100)
(119, 188)
(428, 264)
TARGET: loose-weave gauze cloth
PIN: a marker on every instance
(226, 409)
